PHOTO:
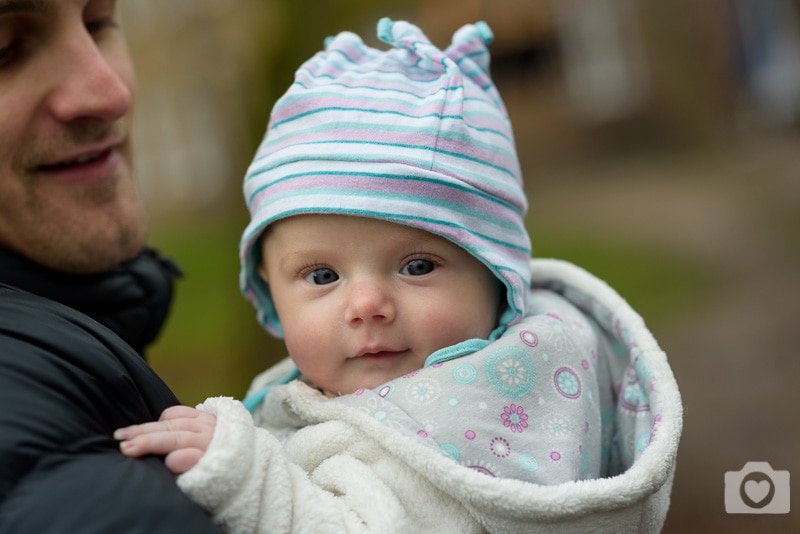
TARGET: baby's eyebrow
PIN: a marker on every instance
(297, 256)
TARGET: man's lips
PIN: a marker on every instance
(88, 166)
(78, 160)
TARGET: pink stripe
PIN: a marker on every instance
(411, 139)
(360, 108)
(383, 185)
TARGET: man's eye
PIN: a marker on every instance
(322, 276)
(95, 26)
(418, 267)
(7, 54)
(11, 52)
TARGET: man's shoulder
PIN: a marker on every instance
(35, 329)
(49, 352)
(22, 311)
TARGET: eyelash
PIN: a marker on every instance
(96, 26)
(310, 267)
(8, 53)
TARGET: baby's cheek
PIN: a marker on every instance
(307, 350)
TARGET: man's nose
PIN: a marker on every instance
(90, 82)
(370, 301)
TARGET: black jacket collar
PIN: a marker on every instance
(132, 299)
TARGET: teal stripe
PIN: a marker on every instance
(377, 126)
(473, 54)
(397, 114)
(399, 128)
(358, 46)
(275, 162)
(383, 176)
(384, 216)
(420, 94)
(454, 136)
(425, 75)
(428, 99)
(434, 150)
(406, 198)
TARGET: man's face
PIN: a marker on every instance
(67, 193)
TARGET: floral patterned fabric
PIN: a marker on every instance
(536, 405)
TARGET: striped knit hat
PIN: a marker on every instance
(413, 135)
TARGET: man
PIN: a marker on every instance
(80, 294)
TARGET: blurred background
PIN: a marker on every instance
(660, 144)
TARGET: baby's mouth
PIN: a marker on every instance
(381, 353)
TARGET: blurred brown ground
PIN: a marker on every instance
(735, 213)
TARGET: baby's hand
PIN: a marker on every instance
(181, 433)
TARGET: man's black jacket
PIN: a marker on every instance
(66, 383)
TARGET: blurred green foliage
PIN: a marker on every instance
(212, 344)
(658, 283)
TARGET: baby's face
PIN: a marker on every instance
(363, 301)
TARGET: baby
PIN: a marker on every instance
(438, 380)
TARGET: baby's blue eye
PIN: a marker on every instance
(418, 267)
(322, 276)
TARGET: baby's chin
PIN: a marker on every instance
(352, 389)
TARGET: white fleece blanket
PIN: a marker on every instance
(318, 465)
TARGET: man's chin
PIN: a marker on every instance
(94, 254)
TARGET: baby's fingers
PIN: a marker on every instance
(175, 431)
(179, 462)
(160, 442)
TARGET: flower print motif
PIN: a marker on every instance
(578, 326)
(642, 368)
(590, 395)
(481, 466)
(511, 372)
(644, 441)
(567, 383)
(557, 426)
(423, 391)
(558, 337)
(528, 463)
(430, 426)
(515, 418)
(449, 450)
(529, 338)
(380, 415)
(386, 390)
(465, 374)
(635, 399)
(500, 447)
(381, 410)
